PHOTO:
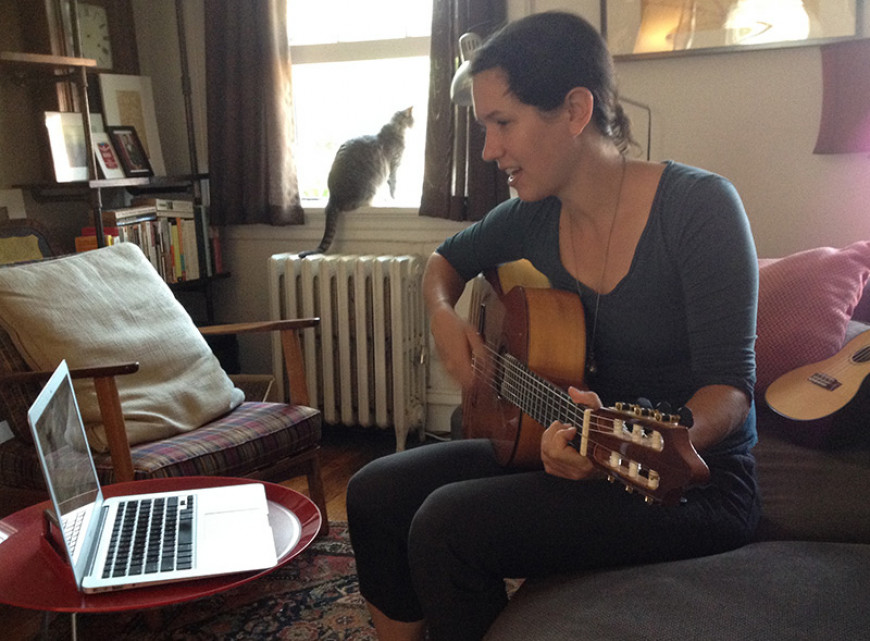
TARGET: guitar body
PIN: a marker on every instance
(543, 328)
(818, 390)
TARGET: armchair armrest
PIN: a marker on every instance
(17, 378)
(290, 344)
(110, 407)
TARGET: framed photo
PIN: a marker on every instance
(130, 151)
(66, 138)
(128, 101)
(107, 158)
(655, 28)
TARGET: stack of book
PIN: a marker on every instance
(173, 234)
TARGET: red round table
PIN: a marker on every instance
(33, 576)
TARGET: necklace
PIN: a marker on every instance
(591, 364)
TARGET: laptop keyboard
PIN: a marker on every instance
(150, 536)
(72, 529)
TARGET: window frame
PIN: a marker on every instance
(363, 50)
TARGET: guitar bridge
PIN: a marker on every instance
(825, 381)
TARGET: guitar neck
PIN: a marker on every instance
(535, 396)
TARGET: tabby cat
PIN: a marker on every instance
(361, 166)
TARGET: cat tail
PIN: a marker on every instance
(332, 213)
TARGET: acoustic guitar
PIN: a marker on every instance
(818, 390)
(536, 347)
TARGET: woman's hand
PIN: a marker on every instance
(456, 340)
(559, 457)
(458, 345)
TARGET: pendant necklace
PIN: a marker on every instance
(591, 364)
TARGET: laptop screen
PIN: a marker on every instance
(67, 464)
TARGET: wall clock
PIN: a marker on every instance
(95, 37)
(108, 34)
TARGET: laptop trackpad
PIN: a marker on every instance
(236, 539)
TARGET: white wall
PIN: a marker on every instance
(751, 116)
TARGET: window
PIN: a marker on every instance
(354, 65)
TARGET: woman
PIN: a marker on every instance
(663, 260)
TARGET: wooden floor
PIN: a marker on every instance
(344, 451)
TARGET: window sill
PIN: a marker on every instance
(374, 224)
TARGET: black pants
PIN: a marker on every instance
(436, 529)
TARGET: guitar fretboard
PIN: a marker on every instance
(535, 396)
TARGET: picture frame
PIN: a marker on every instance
(639, 29)
(128, 101)
(130, 151)
(66, 139)
(108, 161)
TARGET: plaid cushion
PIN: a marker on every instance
(19, 466)
(252, 436)
(15, 399)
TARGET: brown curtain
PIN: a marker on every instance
(457, 183)
(251, 169)
(845, 122)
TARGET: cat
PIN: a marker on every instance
(361, 166)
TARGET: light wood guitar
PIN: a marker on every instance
(535, 340)
(818, 390)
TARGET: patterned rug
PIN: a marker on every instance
(314, 597)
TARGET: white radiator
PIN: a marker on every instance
(366, 363)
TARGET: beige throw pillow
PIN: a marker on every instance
(109, 306)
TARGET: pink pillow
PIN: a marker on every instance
(805, 301)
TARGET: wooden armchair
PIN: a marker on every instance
(267, 441)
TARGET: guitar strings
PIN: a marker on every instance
(528, 381)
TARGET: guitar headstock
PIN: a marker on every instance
(647, 450)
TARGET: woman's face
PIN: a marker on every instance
(531, 146)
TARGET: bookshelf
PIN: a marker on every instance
(72, 72)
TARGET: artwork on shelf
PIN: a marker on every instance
(650, 28)
(130, 151)
(107, 158)
(66, 138)
(128, 101)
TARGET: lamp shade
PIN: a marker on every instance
(845, 122)
(460, 88)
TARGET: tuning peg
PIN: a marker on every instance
(664, 407)
(686, 418)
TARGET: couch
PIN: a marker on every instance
(807, 573)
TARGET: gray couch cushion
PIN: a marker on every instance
(766, 590)
(813, 494)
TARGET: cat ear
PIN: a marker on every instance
(579, 104)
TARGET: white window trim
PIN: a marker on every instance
(364, 50)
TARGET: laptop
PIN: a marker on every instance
(143, 539)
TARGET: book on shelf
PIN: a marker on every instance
(127, 215)
(88, 238)
(180, 247)
(180, 206)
